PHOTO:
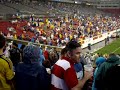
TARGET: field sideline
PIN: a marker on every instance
(113, 47)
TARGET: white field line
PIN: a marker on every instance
(116, 50)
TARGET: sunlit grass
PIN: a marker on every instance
(114, 47)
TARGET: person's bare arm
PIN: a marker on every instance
(81, 82)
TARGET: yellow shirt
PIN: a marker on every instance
(6, 73)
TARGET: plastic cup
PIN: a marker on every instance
(88, 68)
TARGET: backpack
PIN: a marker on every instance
(7, 60)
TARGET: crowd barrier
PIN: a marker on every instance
(98, 38)
(38, 44)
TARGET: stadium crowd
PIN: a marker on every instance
(32, 67)
(59, 31)
(36, 68)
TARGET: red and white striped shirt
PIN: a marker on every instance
(63, 75)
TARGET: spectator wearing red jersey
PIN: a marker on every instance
(63, 72)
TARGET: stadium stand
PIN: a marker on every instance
(50, 25)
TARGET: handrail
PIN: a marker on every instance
(38, 44)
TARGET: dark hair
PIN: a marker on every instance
(72, 45)
(15, 44)
(112, 54)
(63, 51)
(2, 41)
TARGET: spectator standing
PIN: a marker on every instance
(6, 72)
(30, 75)
(99, 61)
(42, 58)
(79, 70)
(15, 54)
(101, 72)
(63, 73)
(112, 78)
(105, 41)
(108, 39)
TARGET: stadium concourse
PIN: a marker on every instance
(37, 31)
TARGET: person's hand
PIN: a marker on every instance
(88, 75)
(48, 70)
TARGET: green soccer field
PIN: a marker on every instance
(113, 47)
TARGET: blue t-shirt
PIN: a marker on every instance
(79, 70)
